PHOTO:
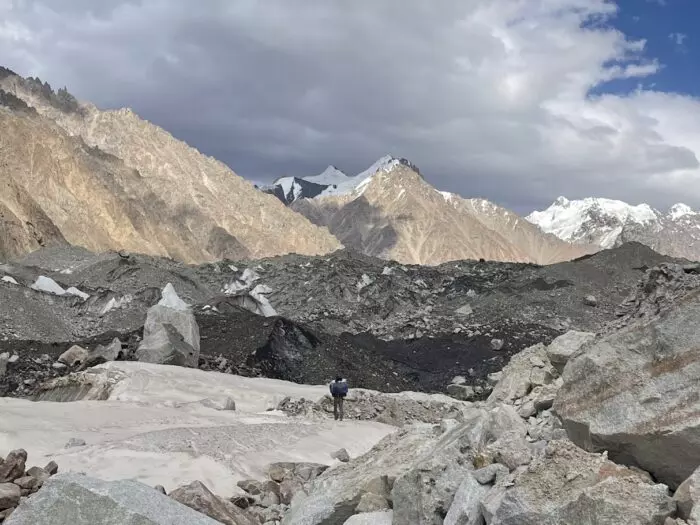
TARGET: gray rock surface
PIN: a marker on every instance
(74, 356)
(371, 518)
(341, 455)
(570, 486)
(634, 393)
(687, 497)
(74, 499)
(563, 347)
(13, 466)
(520, 375)
(9, 495)
(104, 353)
(465, 505)
(198, 497)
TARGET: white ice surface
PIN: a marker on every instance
(171, 299)
(48, 285)
(9, 279)
(155, 429)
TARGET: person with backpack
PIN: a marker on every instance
(339, 389)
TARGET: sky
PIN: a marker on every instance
(517, 101)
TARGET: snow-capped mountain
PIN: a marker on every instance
(608, 223)
(331, 182)
(395, 214)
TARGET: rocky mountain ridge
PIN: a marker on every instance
(124, 183)
(607, 223)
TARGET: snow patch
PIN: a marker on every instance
(115, 303)
(8, 279)
(47, 285)
(680, 210)
(78, 293)
(364, 282)
(170, 299)
(331, 176)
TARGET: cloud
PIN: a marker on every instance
(489, 98)
(678, 38)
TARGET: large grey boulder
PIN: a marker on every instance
(570, 486)
(198, 497)
(465, 506)
(687, 497)
(563, 347)
(13, 466)
(9, 495)
(74, 499)
(635, 394)
(371, 518)
(171, 333)
(528, 369)
(104, 354)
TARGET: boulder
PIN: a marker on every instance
(569, 485)
(289, 488)
(171, 333)
(39, 474)
(525, 371)
(104, 354)
(371, 518)
(687, 497)
(4, 359)
(9, 495)
(250, 486)
(75, 499)
(563, 347)
(372, 503)
(465, 505)
(51, 468)
(198, 497)
(634, 393)
(497, 344)
(590, 300)
(490, 473)
(74, 356)
(341, 455)
(13, 466)
(75, 442)
(461, 392)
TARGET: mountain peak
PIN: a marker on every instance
(680, 210)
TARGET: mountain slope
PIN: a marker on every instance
(609, 223)
(208, 211)
(395, 214)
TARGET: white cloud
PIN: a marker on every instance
(678, 38)
(488, 97)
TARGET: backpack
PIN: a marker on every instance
(339, 388)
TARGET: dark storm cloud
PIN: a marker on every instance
(488, 97)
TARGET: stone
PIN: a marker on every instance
(494, 377)
(242, 502)
(465, 310)
(13, 466)
(104, 354)
(341, 455)
(198, 497)
(569, 485)
(563, 347)
(223, 403)
(75, 442)
(543, 396)
(372, 503)
(527, 410)
(464, 509)
(371, 518)
(250, 486)
(75, 499)
(39, 474)
(511, 450)
(497, 344)
(74, 356)
(26, 482)
(461, 392)
(288, 489)
(687, 498)
(279, 471)
(520, 376)
(634, 393)
(4, 514)
(171, 333)
(490, 473)
(309, 471)
(9, 495)
(590, 300)
(51, 468)
(160, 488)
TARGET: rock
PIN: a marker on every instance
(51, 468)
(461, 392)
(497, 344)
(198, 497)
(527, 410)
(74, 356)
(564, 346)
(465, 310)
(372, 503)
(242, 502)
(371, 518)
(590, 300)
(252, 487)
(520, 376)
(464, 509)
(26, 482)
(494, 377)
(341, 455)
(39, 474)
(59, 366)
(171, 333)
(4, 359)
(224, 403)
(74, 499)
(13, 466)
(687, 498)
(4, 514)
(288, 489)
(309, 471)
(568, 485)
(542, 397)
(9, 495)
(104, 354)
(511, 450)
(635, 394)
(490, 473)
(75, 442)
(279, 471)
(160, 488)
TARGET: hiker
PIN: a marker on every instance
(339, 389)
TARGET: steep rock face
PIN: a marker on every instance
(209, 211)
(608, 223)
(635, 394)
(395, 214)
